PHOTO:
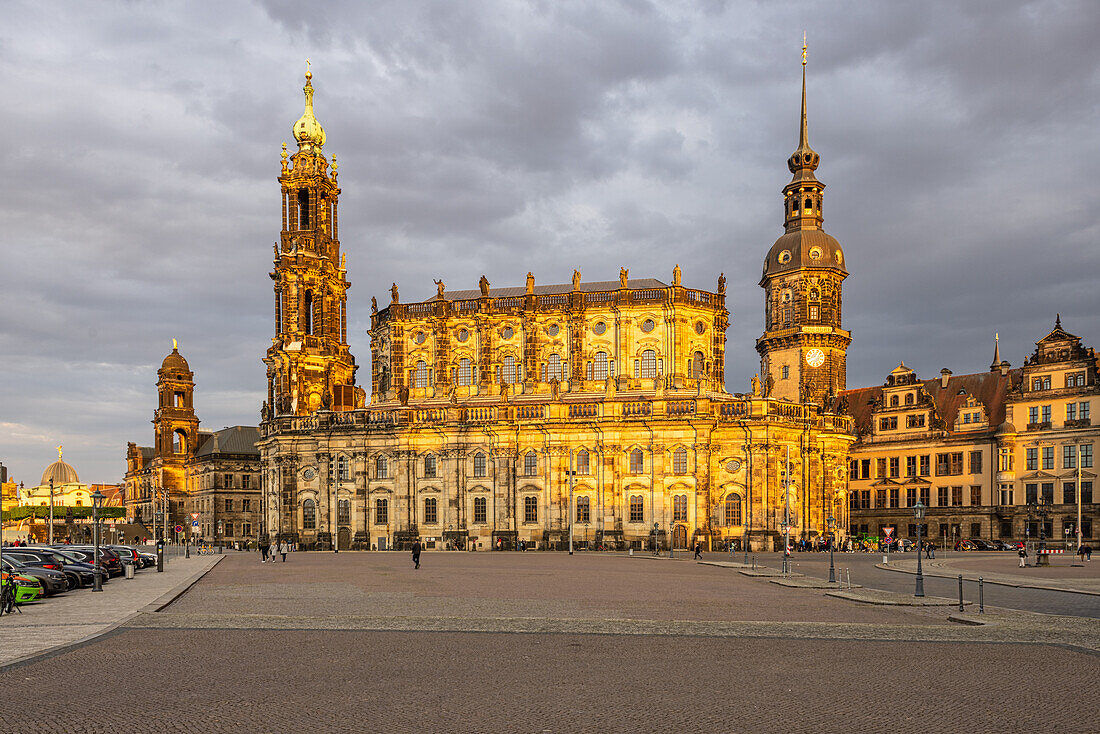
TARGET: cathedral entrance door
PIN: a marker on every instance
(680, 537)
(343, 538)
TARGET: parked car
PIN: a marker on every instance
(965, 545)
(53, 582)
(108, 559)
(26, 588)
(983, 545)
(78, 573)
(77, 558)
(905, 545)
(148, 560)
(128, 554)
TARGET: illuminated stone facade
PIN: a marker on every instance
(482, 400)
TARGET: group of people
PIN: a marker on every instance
(267, 551)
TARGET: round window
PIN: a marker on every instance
(838, 257)
(308, 473)
(507, 333)
(463, 335)
(600, 327)
(700, 327)
(733, 465)
(648, 325)
(785, 257)
(420, 337)
(552, 330)
(815, 253)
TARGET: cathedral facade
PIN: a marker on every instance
(594, 408)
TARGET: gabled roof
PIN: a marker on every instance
(989, 388)
(547, 290)
(238, 440)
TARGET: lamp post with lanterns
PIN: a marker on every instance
(97, 503)
(832, 541)
(918, 512)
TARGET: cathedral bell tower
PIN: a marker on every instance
(309, 366)
(175, 426)
(803, 350)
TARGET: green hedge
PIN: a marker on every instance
(60, 512)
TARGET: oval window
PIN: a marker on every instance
(600, 327)
(463, 335)
(700, 327)
(552, 330)
(785, 257)
(420, 337)
(815, 253)
(648, 325)
(507, 333)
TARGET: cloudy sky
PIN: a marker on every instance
(141, 146)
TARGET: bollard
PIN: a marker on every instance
(848, 573)
(754, 563)
(981, 595)
(631, 552)
(960, 592)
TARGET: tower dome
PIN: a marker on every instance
(307, 131)
(175, 362)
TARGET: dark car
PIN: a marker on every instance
(128, 554)
(983, 545)
(78, 573)
(53, 582)
(108, 559)
(148, 560)
(77, 558)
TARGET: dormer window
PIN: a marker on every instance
(893, 401)
(909, 398)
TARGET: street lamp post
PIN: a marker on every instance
(832, 541)
(918, 512)
(572, 508)
(656, 525)
(97, 502)
(50, 533)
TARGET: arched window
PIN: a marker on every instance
(180, 444)
(530, 464)
(382, 467)
(343, 512)
(582, 461)
(733, 509)
(909, 398)
(431, 511)
(303, 209)
(479, 464)
(649, 364)
(680, 461)
(679, 508)
(479, 510)
(508, 373)
(893, 401)
(309, 515)
(637, 508)
(601, 366)
(554, 369)
(307, 313)
(381, 511)
(530, 509)
(637, 465)
(464, 375)
(420, 376)
(808, 205)
(697, 366)
(584, 509)
(429, 466)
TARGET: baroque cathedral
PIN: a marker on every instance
(501, 415)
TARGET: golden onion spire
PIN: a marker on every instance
(307, 131)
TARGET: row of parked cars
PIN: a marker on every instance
(977, 544)
(45, 570)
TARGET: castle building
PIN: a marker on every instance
(210, 479)
(998, 455)
(506, 415)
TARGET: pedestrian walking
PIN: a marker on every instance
(1023, 556)
(265, 549)
(698, 551)
(416, 553)
(284, 548)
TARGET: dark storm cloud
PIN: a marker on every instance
(141, 149)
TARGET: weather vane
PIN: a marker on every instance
(175, 345)
(803, 48)
(59, 452)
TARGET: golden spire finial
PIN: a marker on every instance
(309, 74)
(307, 131)
(59, 452)
(175, 345)
(803, 48)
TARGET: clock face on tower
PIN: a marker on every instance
(815, 357)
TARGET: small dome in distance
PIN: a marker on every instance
(60, 473)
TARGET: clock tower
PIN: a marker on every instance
(803, 350)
